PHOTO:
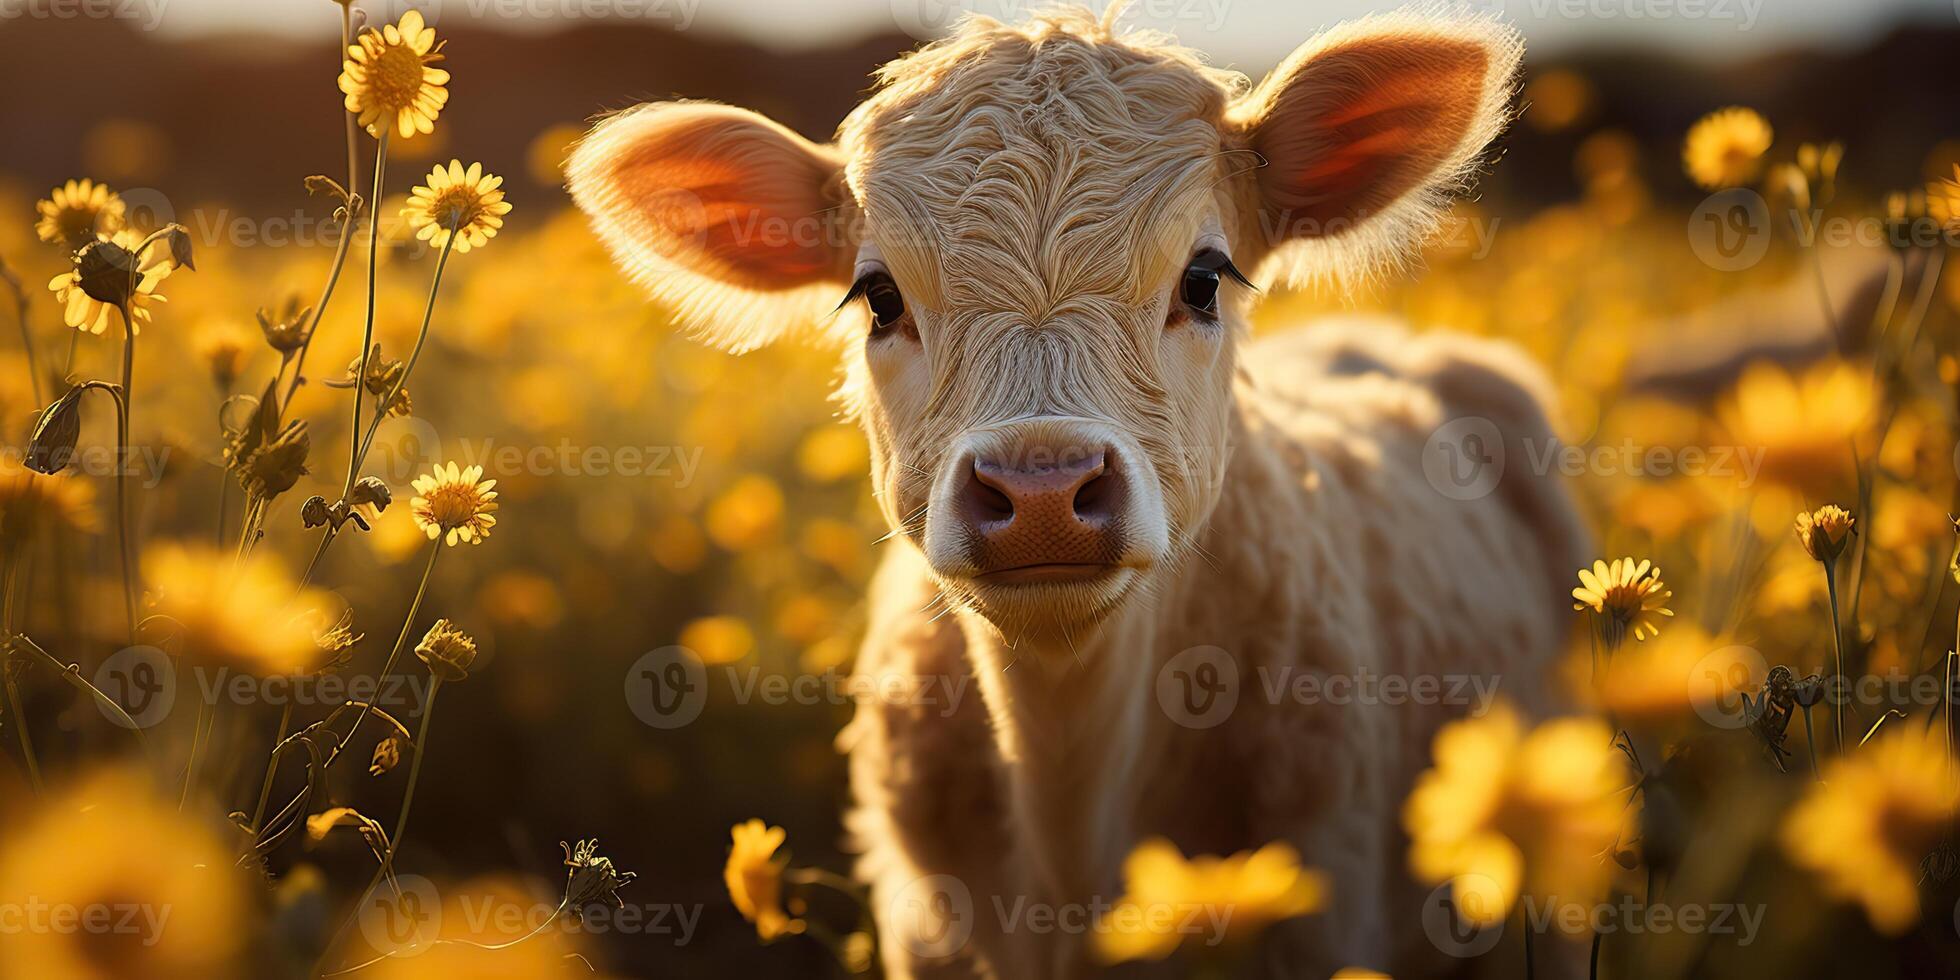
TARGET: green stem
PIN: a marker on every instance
(367, 333)
(421, 750)
(272, 766)
(346, 233)
(1837, 646)
(428, 314)
(123, 451)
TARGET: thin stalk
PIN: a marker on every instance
(421, 748)
(346, 233)
(15, 715)
(206, 720)
(123, 542)
(272, 765)
(428, 314)
(1837, 646)
(1810, 743)
(27, 340)
(367, 333)
(73, 675)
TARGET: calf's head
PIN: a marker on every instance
(1036, 233)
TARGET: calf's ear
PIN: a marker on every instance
(1364, 134)
(743, 226)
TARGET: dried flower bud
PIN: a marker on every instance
(313, 513)
(178, 239)
(52, 446)
(273, 467)
(591, 878)
(106, 272)
(387, 755)
(286, 331)
(447, 651)
(371, 491)
(382, 374)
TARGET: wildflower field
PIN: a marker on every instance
(266, 506)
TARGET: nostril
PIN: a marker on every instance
(1094, 499)
(988, 499)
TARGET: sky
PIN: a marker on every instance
(1244, 33)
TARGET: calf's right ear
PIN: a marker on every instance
(742, 225)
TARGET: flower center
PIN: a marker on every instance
(395, 77)
(457, 207)
(76, 224)
(454, 505)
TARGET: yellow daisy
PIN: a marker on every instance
(30, 501)
(447, 651)
(1509, 810)
(1627, 594)
(754, 876)
(246, 615)
(466, 204)
(1726, 147)
(85, 312)
(75, 213)
(1824, 531)
(455, 504)
(1867, 826)
(388, 81)
(1163, 890)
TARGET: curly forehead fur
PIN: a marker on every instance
(1018, 168)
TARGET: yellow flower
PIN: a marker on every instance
(1725, 147)
(755, 879)
(388, 81)
(1943, 199)
(1506, 810)
(1824, 531)
(113, 846)
(467, 205)
(746, 514)
(85, 312)
(455, 504)
(718, 639)
(1865, 828)
(1249, 890)
(1627, 594)
(30, 501)
(1804, 425)
(1685, 672)
(247, 615)
(447, 651)
(78, 212)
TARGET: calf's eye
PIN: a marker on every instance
(1199, 290)
(881, 296)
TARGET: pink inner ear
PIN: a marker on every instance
(753, 215)
(1359, 127)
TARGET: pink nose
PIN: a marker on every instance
(1034, 515)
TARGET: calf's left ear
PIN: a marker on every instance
(740, 224)
(1364, 134)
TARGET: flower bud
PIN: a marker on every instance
(52, 446)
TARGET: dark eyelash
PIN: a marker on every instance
(1216, 261)
(856, 292)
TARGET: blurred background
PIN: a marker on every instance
(745, 532)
